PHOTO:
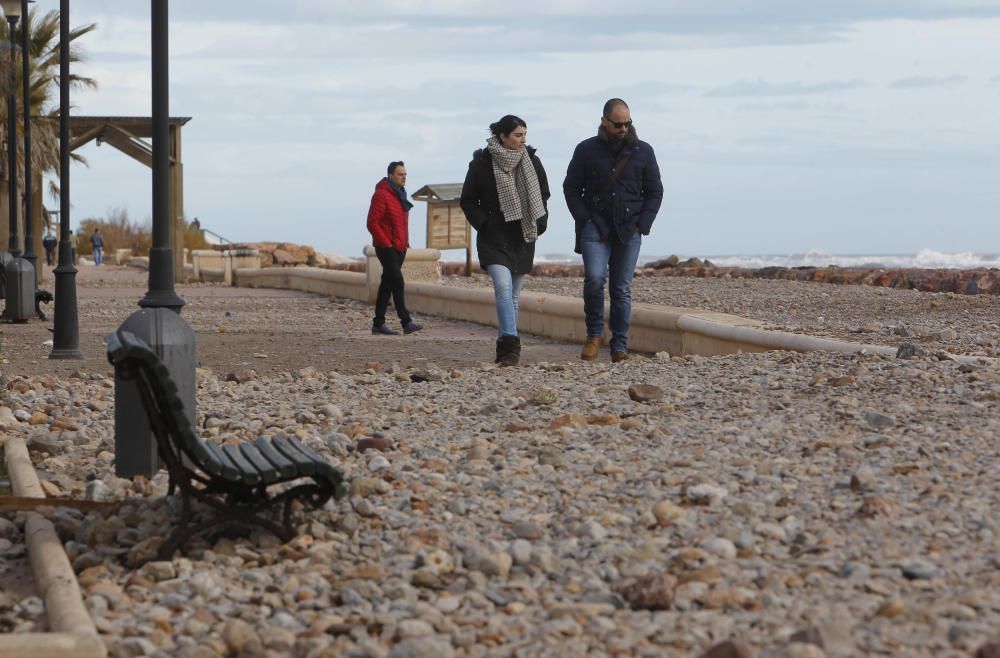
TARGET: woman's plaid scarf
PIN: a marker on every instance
(517, 187)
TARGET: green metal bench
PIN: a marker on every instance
(233, 481)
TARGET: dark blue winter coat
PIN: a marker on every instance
(629, 205)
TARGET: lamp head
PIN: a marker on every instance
(11, 9)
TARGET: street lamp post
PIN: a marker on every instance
(66, 329)
(29, 217)
(12, 12)
(158, 321)
(5, 255)
(20, 274)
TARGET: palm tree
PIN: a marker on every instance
(43, 51)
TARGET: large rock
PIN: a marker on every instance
(288, 254)
(670, 261)
(280, 254)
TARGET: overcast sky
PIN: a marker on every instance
(780, 126)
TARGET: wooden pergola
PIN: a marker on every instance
(129, 135)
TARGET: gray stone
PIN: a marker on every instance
(527, 529)
(878, 420)
(863, 479)
(49, 443)
(491, 563)
(910, 351)
(520, 552)
(921, 570)
(7, 528)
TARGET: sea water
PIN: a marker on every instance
(925, 258)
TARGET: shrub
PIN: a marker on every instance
(122, 233)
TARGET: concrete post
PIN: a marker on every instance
(227, 267)
(173, 341)
(373, 272)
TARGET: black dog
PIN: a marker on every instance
(42, 297)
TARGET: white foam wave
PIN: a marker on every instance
(925, 258)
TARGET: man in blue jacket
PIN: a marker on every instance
(613, 191)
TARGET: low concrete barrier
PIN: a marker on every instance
(675, 330)
(205, 259)
(653, 329)
(121, 256)
(213, 265)
(332, 283)
(211, 274)
(234, 259)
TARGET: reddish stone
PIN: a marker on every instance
(518, 427)
(380, 443)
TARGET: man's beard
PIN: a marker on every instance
(608, 136)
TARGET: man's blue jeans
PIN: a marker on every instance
(601, 258)
(507, 291)
(98, 255)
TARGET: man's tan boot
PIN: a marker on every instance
(591, 347)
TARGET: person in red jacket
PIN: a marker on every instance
(388, 222)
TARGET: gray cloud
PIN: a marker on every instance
(762, 88)
(704, 12)
(924, 81)
(345, 28)
(761, 152)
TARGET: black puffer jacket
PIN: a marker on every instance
(499, 242)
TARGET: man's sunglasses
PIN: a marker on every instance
(619, 124)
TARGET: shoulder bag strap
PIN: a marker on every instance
(619, 166)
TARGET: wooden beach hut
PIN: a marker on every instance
(446, 224)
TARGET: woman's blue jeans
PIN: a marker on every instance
(601, 258)
(506, 290)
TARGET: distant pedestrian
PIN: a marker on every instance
(97, 242)
(388, 222)
(505, 199)
(50, 242)
(613, 191)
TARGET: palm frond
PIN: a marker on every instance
(44, 54)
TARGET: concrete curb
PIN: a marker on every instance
(675, 330)
(73, 631)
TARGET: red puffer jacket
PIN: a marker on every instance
(388, 223)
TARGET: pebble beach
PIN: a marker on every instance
(800, 505)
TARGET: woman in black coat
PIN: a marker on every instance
(505, 199)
